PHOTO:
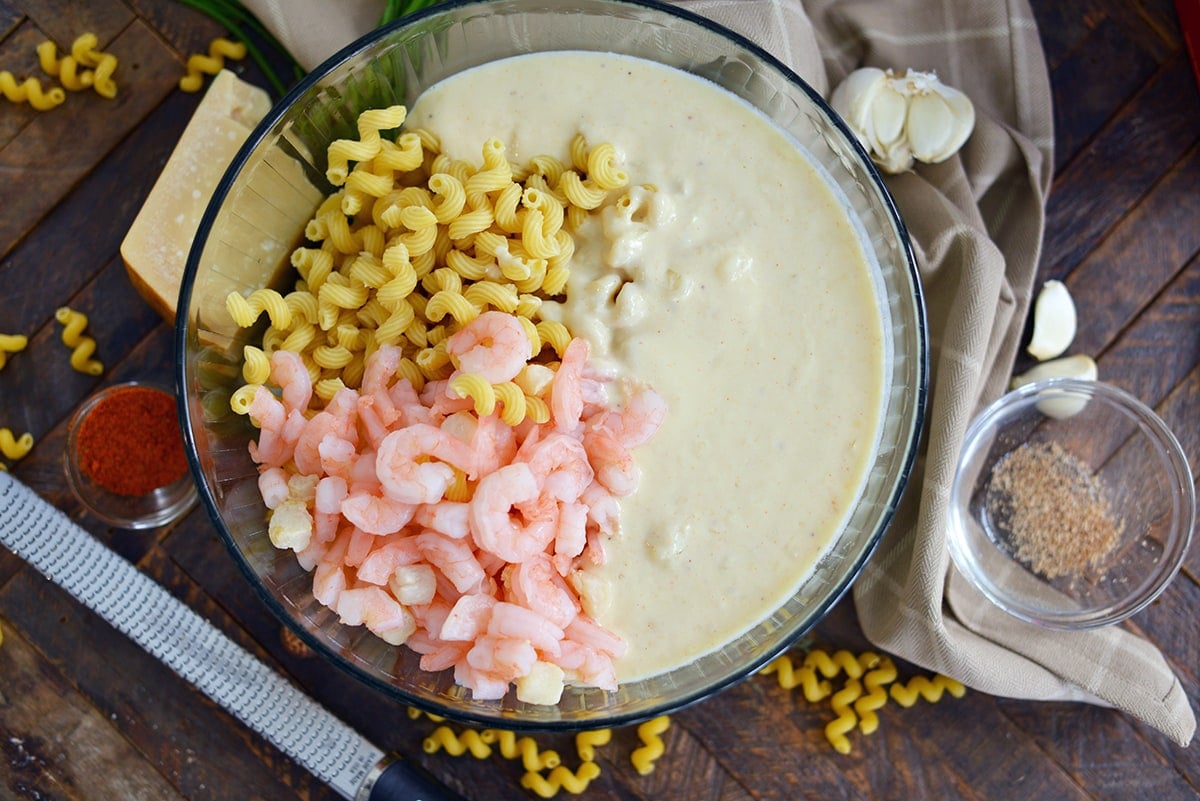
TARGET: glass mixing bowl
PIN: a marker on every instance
(274, 185)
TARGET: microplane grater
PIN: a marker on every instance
(197, 651)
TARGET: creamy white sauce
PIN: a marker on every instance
(745, 299)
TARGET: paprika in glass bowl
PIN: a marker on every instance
(125, 460)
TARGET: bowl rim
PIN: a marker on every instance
(915, 422)
(1174, 462)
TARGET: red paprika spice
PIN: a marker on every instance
(130, 443)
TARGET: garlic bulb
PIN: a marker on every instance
(902, 118)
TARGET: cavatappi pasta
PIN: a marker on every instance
(413, 246)
(84, 67)
(14, 447)
(200, 64)
(11, 343)
(82, 346)
(870, 680)
(30, 91)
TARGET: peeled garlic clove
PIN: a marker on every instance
(1063, 405)
(1078, 366)
(1054, 321)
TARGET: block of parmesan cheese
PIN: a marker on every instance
(155, 250)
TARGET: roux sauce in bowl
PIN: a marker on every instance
(737, 287)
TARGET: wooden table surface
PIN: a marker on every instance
(84, 714)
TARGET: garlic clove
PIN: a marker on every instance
(1065, 405)
(1078, 366)
(889, 110)
(1054, 322)
(930, 127)
(853, 97)
(963, 112)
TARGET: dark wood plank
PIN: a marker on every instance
(75, 234)
(1141, 143)
(18, 57)
(1140, 256)
(37, 156)
(65, 20)
(57, 745)
(1097, 86)
(186, 30)
(10, 17)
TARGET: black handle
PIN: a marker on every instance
(397, 779)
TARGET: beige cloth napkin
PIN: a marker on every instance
(976, 223)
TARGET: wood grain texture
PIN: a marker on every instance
(84, 714)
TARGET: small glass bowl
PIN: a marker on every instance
(156, 508)
(1072, 506)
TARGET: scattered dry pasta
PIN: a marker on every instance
(30, 91)
(870, 679)
(444, 738)
(82, 346)
(11, 343)
(14, 447)
(199, 64)
(414, 246)
(560, 778)
(931, 690)
(650, 733)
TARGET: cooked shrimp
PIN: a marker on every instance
(376, 418)
(291, 376)
(455, 559)
(329, 577)
(570, 538)
(269, 414)
(494, 345)
(273, 486)
(412, 584)
(382, 615)
(501, 658)
(468, 618)
(406, 478)
(518, 623)
(483, 685)
(561, 466)
(380, 369)
(566, 398)
(338, 456)
(535, 585)
(306, 453)
(494, 444)
(376, 515)
(327, 507)
(495, 524)
(358, 547)
(445, 517)
(393, 552)
(408, 404)
(613, 463)
(639, 419)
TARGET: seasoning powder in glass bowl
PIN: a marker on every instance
(125, 457)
